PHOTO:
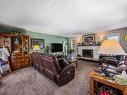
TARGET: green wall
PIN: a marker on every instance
(49, 39)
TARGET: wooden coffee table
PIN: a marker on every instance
(96, 78)
(72, 61)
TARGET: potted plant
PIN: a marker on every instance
(46, 50)
(70, 52)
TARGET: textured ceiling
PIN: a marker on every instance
(64, 17)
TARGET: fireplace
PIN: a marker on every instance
(87, 53)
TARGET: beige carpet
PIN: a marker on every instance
(28, 81)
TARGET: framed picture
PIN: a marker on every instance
(125, 37)
(89, 39)
(35, 41)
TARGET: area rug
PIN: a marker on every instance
(29, 81)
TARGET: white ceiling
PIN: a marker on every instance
(64, 17)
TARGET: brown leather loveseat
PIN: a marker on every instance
(56, 69)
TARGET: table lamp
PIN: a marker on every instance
(36, 48)
(111, 47)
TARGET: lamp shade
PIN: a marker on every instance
(36, 47)
(111, 47)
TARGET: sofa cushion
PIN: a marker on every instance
(111, 61)
(36, 58)
(51, 64)
(62, 63)
(49, 74)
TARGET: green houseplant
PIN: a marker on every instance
(46, 50)
(70, 52)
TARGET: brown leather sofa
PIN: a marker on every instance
(56, 69)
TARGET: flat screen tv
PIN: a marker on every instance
(56, 47)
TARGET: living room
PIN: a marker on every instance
(63, 47)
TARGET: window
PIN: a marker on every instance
(112, 37)
(73, 44)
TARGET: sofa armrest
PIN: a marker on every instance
(66, 75)
(69, 67)
(63, 63)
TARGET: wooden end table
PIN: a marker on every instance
(94, 77)
(72, 61)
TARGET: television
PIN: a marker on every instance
(56, 47)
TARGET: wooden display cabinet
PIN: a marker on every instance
(18, 46)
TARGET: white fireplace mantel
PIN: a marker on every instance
(94, 48)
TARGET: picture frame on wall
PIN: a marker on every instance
(125, 37)
(36, 41)
(88, 39)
